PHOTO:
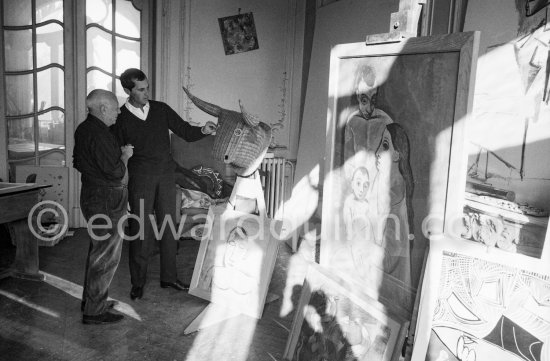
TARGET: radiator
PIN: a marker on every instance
(273, 184)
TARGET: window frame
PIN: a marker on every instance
(80, 83)
(34, 72)
(75, 79)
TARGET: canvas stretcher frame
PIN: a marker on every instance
(425, 85)
(344, 320)
(231, 272)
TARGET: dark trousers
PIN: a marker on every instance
(105, 243)
(157, 195)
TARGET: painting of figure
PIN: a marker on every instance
(392, 125)
(236, 260)
(231, 271)
(378, 147)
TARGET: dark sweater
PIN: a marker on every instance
(96, 154)
(151, 139)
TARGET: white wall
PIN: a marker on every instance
(264, 79)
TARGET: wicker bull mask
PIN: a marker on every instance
(241, 139)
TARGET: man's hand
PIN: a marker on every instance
(127, 151)
(209, 128)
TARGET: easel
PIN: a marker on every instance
(249, 189)
(403, 25)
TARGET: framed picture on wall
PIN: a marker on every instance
(238, 33)
(335, 321)
(236, 260)
(395, 165)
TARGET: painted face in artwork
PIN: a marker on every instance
(360, 183)
(139, 94)
(390, 181)
(236, 247)
(386, 154)
(366, 95)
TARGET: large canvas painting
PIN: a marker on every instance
(336, 322)
(394, 154)
(508, 181)
(483, 306)
(236, 260)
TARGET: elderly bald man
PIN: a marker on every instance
(103, 201)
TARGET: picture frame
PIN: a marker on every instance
(482, 305)
(335, 321)
(507, 196)
(236, 259)
(238, 33)
(413, 137)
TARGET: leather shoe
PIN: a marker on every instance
(136, 292)
(103, 318)
(178, 285)
(108, 304)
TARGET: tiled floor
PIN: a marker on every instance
(42, 320)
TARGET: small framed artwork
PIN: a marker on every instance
(334, 321)
(236, 259)
(238, 33)
(480, 305)
(394, 153)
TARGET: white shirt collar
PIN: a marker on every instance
(141, 114)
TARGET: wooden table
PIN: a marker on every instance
(16, 201)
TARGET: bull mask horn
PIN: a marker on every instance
(209, 108)
(250, 119)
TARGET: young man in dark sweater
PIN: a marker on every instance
(145, 124)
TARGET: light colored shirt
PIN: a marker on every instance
(141, 114)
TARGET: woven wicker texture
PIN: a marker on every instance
(239, 142)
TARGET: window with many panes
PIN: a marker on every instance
(34, 38)
(113, 41)
(34, 81)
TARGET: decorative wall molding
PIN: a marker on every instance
(188, 103)
(285, 117)
(170, 40)
(294, 65)
(281, 122)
